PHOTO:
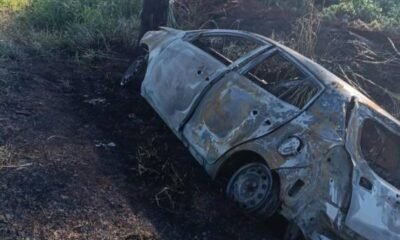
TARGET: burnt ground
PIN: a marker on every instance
(81, 158)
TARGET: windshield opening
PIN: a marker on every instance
(380, 147)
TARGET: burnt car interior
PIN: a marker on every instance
(380, 148)
(276, 74)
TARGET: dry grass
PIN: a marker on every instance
(163, 171)
(306, 31)
(6, 157)
(369, 67)
(191, 14)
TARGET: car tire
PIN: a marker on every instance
(253, 189)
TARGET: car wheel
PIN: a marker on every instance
(252, 188)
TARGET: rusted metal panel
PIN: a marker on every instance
(234, 111)
(375, 205)
(176, 78)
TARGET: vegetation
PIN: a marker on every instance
(73, 26)
(377, 14)
(305, 30)
(87, 26)
(13, 4)
(381, 14)
(286, 4)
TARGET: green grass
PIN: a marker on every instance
(13, 5)
(72, 26)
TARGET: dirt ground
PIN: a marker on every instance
(81, 158)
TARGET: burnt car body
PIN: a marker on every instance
(240, 101)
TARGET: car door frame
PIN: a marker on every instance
(262, 57)
(191, 36)
(275, 50)
(363, 175)
(173, 98)
(243, 67)
(242, 61)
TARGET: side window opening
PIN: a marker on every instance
(226, 49)
(285, 80)
(379, 146)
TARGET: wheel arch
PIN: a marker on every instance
(232, 162)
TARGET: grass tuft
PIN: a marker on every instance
(13, 5)
(305, 30)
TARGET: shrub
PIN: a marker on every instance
(305, 30)
(365, 10)
(384, 14)
(286, 4)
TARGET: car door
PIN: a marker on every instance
(239, 108)
(175, 78)
(178, 76)
(372, 141)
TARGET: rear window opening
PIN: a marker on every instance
(380, 147)
(285, 80)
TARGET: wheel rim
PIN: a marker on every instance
(250, 187)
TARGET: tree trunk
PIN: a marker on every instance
(154, 14)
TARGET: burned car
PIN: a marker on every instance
(280, 131)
